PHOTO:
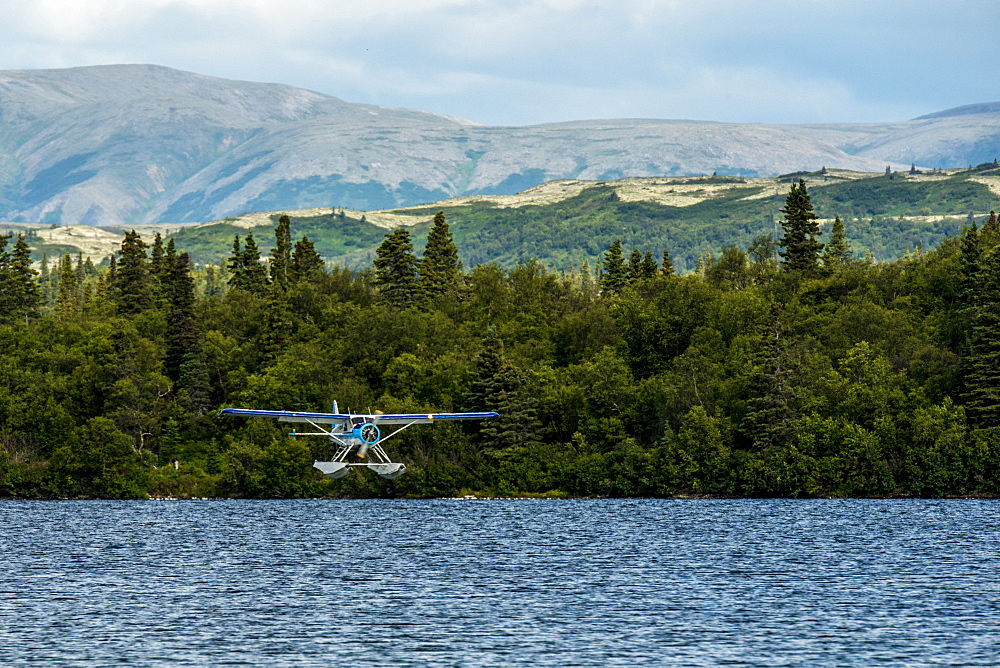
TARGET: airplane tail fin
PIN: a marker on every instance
(335, 411)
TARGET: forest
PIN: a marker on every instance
(792, 367)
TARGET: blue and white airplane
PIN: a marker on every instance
(356, 432)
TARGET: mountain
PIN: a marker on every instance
(140, 144)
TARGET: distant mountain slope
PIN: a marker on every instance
(140, 144)
(563, 223)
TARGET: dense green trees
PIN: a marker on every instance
(848, 377)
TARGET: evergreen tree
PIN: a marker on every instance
(498, 386)
(256, 272)
(770, 419)
(246, 271)
(234, 263)
(801, 250)
(968, 283)
(614, 272)
(277, 327)
(78, 268)
(133, 288)
(184, 361)
(156, 263)
(648, 268)
(991, 231)
(24, 288)
(169, 257)
(982, 368)
(160, 268)
(634, 272)
(439, 268)
(838, 251)
(112, 270)
(281, 254)
(6, 280)
(68, 299)
(396, 269)
(667, 267)
(307, 264)
(213, 281)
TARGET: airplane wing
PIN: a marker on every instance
(336, 418)
(428, 417)
(289, 416)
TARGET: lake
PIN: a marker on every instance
(501, 582)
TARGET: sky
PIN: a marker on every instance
(521, 62)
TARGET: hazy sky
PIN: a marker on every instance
(515, 62)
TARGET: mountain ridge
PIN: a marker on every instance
(145, 144)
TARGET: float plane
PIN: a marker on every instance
(357, 433)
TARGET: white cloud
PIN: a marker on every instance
(520, 61)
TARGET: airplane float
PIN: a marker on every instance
(356, 432)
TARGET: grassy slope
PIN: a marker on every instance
(579, 228)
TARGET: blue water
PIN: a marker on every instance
(500, 583)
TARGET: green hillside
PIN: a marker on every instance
(887, 216)
(754, 377)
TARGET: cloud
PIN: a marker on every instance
(526, 61)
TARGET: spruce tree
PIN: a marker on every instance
(255, 271)
(25, 292)
(184, 361)
(133, 287)
(78, 268)
(68, 299)
(307, 264)
(648, 268)
(396, 269)
(160, 267)
(439, 268)
(968, 283)
(634, 272)
(770, 419)
(6, 281)
(614, 272)
(246, 271)
(281, 254)
(498, 386)
(991, 222)
(667, 267)
(838, 251)
(234, 263)
(981, 377)
(801, 250)
(991, 231)
(156, 263)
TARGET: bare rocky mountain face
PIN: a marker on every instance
(147, 145)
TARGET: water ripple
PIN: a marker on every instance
(501, 583)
